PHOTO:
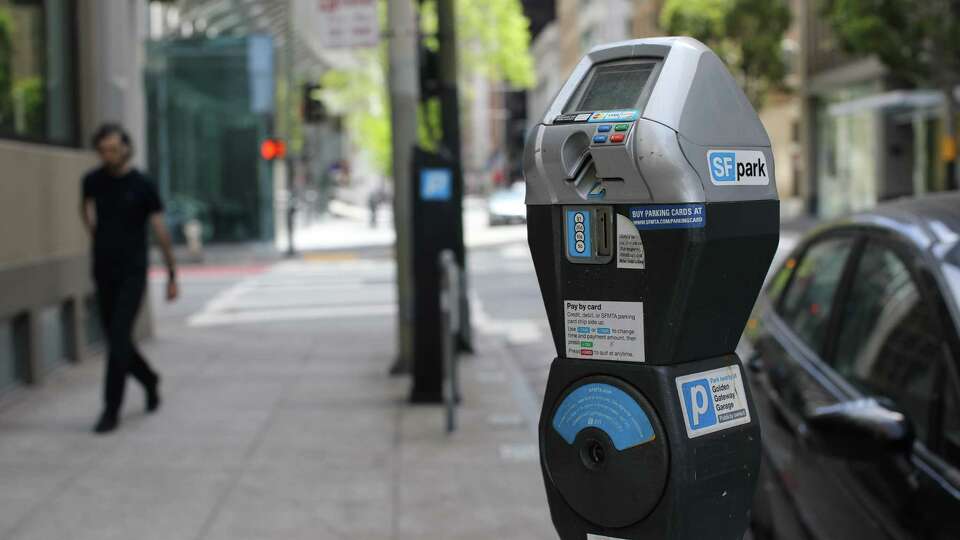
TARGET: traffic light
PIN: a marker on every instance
(313, 109)
(271, 149)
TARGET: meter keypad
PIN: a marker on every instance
(603, 134)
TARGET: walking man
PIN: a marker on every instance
(117, 203)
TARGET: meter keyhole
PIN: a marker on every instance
(593, 454)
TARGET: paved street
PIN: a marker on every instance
(280, 420)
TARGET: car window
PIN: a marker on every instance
(781, 279)
(888, 344)
(808, 301)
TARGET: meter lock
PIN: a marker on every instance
(589, 234)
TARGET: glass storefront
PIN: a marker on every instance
(847, 146)
(37, 100)
(206, 110)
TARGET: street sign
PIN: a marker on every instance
(348, 23)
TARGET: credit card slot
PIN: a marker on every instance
(604, 231)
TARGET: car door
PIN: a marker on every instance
(890, 343)
(787, 369)
(939, 487)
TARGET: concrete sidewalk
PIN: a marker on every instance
(281, 430)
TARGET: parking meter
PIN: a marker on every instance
(652, 218)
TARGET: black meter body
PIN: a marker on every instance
(652, 217)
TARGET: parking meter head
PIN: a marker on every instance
(652, 218)
(655, 137)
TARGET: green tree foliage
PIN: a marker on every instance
(493, 39)
(918, 41)
(6, 68)
(746, 34)
(360, 95)
(29, 105)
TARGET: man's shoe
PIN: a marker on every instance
(153, 396)
(107, 423)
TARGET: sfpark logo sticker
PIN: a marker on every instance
(738, 168)
(713, 400)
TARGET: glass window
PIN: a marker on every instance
(846, 151)
(807, 304)
(781, 279)
(888, 343)
(36, 70)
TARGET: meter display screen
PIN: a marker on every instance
(610, 86)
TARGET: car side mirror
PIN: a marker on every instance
(860, 429)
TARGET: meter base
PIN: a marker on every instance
(710, 478)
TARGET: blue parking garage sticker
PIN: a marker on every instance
(668, 216)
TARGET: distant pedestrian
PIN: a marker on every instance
(373, 203)
(117, 203)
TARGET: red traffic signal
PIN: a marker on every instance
(272, 149)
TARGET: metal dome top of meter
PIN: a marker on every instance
(656, 120)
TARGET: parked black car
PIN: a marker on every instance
(854, 362)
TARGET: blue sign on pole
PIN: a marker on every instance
(436, 185)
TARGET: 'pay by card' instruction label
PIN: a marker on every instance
(604, 330)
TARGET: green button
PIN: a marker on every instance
(586, 344)
(622, 127)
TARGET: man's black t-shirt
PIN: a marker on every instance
(123, 204)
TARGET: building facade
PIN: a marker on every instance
(71, 65)
(866, 138)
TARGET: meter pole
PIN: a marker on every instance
(288, 131)
(450, 114)
(404, 98)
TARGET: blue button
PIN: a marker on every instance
(599, 138)
(604, 128)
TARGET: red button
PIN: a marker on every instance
(617, 138)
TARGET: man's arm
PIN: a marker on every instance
(88, 213)
(166, 246)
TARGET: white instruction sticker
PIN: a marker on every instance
(604, 330)
(713, 400)
(630, 252)
(599, 537)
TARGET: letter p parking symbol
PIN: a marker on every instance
(698, 402)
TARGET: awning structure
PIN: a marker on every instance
(894, 101)
(240, 18)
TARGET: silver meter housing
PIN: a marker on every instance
(682, 108)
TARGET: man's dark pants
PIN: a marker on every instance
(119, 298)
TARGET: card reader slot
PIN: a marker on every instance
(604, 234)
(580, 167)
